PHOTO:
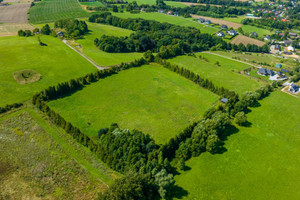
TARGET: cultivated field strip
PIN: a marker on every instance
(16, 13)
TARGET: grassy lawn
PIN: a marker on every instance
(153, 2)
(52, 10)
(95, 3)
(227, 75)
(55, 62)
(101, 57)
(260, 31)
(234, 19)
(261, 162)
(258, 58)
(150, 98)
(169, 19)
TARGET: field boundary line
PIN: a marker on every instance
(84, 56)
(283, 90)
(81, 161)
(231, 59)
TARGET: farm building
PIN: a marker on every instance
(292, 34)
(284, 70)
(223, 26)
(294, 88)
(278, 65)
(161, 11)
(220, 34)
(224, 100)
(253, 34)
(201, 20)
(275, 47)
(290, 49)
(60, 34)
(267, 37)
(265, 72)
(170, 12)
(232, 32)
(207, 21)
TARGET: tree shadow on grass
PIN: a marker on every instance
(177, 192)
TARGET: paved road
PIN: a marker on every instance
(98, 67)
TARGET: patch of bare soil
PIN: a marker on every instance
(246, 40)
(16, 13)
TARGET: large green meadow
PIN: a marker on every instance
(149, 98)
(153, 2)
(52, 10)
(101, 57)
(55, 62)
(261, 161)
(225, 75)
(169, 19)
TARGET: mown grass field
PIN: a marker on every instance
(258, 58)
(261, 161)
(153, 2)
(234, 19)
(52, 10)
(101, 57)
(226, 75)
(260, 31)
(95, 3)
(149, 98)
(169, 19)
(55, 62)
(39, 160)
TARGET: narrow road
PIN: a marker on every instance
(98, 67)
(231, 59)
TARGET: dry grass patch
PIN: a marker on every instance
(27, 76)
(10, 29)
(219, 21)
(246, 40)
(196, 4)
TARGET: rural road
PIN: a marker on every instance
(100, 68)
(231, 59)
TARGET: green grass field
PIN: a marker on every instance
(169, 19)
(260, 31)
(234, 19)
(52, 10)
(153, 2)
(150, 98)
(227, 75)
(101, 57)
(55, 62)
(95, 3)
(261, 162)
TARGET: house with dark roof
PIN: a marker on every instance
(60, 34)
(278, 65)
(223, 26)
(207, 21)
(161, 11)
(253, 34)
(265, 72)
(292, 34)
(284, 70)
(201, 20)
(220, 34)
(294, 88)
(232, 32)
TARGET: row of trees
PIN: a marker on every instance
(274, 24)
(166, 39)
(9, 107)
(73, 28)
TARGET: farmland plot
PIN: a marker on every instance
(16, 13)
(246, 40)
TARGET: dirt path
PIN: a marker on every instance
(231, 59)
(85, 57)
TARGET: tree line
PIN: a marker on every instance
(73, 28)
(9, 107)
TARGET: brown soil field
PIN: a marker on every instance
(202, 4)
(16, 13)
(219, 21)
(246, 40)
(10, 29)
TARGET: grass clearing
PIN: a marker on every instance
(10, 29)
(26, 76)
(237, 19)
(227, 75)
(169, 19)
(38, 155)
(149, 98)
(52, 10)
(100, 57)
(260, 31)
(153, 2)
(261, 161)
(95, 3)
(55, 62)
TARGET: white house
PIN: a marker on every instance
(220, 34)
